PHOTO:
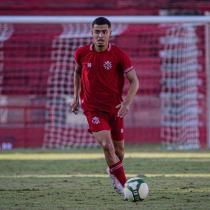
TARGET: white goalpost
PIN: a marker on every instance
(176, 48)
(113, 19)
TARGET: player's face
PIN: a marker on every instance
(101, 35)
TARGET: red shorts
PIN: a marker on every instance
(99, 121)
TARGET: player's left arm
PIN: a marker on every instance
(133, 88)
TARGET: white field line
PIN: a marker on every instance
(80, 156)
(179, 175)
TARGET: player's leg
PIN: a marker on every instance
(115, 168)
(114, 163)
(119, 149)
(100, 128)
(117, 136)
(104, 139)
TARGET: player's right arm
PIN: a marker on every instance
(77, 88)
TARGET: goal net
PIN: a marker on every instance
(180, 82)
(36, 61)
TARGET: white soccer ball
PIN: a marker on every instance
(135, 189)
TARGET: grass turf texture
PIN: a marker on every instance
(76, 180)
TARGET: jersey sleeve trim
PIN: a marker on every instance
(129, 69)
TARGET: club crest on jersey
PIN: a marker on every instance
(89, 65)
(95, 120)
(107, 65)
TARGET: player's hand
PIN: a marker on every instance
(75, 106)
(123, 109)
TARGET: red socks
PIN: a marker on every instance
(118, 171)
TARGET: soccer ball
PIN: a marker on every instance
(135, 189)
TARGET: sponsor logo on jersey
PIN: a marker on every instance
(107, 65)
(95, 120)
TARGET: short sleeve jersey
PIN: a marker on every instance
(102, 77)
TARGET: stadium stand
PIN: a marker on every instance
(98, 7)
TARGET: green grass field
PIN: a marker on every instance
(76, 180)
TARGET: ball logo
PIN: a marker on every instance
(95, 120)
(133, 185)
(107, 65)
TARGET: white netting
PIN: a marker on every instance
(63, 128)
(179, 92)
(6, 31)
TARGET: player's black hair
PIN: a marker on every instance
(101, 21)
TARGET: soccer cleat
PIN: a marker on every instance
(115, 182)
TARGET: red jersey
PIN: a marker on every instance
(102, 77)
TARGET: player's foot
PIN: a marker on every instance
(115, 182)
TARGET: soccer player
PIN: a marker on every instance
(98, 79)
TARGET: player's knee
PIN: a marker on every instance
(105, 141)
(107, 146)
